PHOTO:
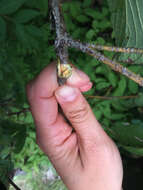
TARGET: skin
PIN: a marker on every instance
(86, 157)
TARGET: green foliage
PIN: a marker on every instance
(80, 14)
(129, 134)
(127, 19)
(118, 16)
(6, 167)
(25, 15)
(9, 7)
(3, 29)
(25, 40)
(27, 46)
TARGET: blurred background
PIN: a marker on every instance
(27, 46)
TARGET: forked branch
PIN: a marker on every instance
(63, 41)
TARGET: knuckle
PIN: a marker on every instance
(78, 115)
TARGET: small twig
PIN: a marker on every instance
(24, 110)
(117, 49)
(61, 47)
(62, 42)
(111, 97)
(113, 64)
(5, 102)
(13, 184)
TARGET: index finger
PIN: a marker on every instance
(40, 93)
(44, 107)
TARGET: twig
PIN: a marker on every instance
(63, 41)
(13, 184)
(117, 49)
(111, 97)
(24, 110)
(113, 64)
(5, 102)
(61, 47)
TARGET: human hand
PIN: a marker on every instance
(85, 158)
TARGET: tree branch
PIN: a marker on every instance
(63, 41)
(113, 64)
(111, 97)
(117, 49)
(24, 110)
(61, 47)
(13, 184)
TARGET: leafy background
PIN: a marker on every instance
(26, 47)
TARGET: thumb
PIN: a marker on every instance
(79, 113)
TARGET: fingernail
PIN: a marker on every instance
(86, 87)
(66, 93)
(78, 77)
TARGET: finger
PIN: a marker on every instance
(44, 106)
(76, 109)
(54, 135)
(80, 115)
(51, 129)
(80, 80)
(40, 93)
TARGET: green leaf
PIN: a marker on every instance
(69, 23)
(2, 29)
(95, 24)
(76, 33)
(98, 80)
(1, 75)
(34, 31)
(118, 19)
(92, 13)
(5, 168)
(102, 70)
(87, 3)
(134, 28)
(133, 87)
(102, 85)
(5, 152)
(118, 105)
(21, 35)
(134, 150)
(128, 134)
(10, 6)
(65, 7)
(127, 20)
(100, 41)
(117, 116)
(90, 34)
(139, 100)
(82, 19)
(42, 5)
(75, 9)
(106, 111)
(25, 15)
(112, 77)
(136, 68)
(104, 25)
(98, 113)
(121, 87)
